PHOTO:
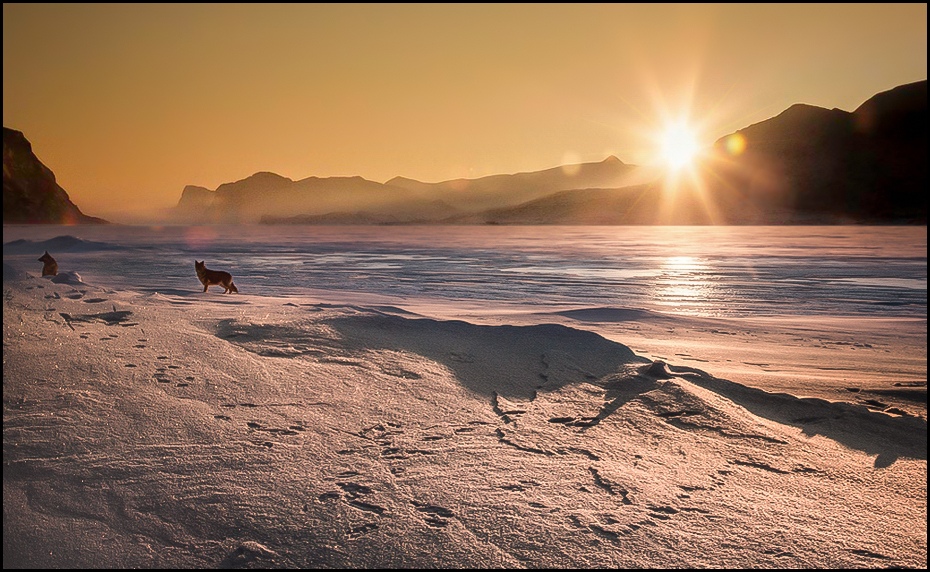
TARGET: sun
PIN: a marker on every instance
(679, 147)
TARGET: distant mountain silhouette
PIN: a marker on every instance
(807, 165)
(647, 204)
(497, 191)
(271, 197)
(30, 193)
(868, 166)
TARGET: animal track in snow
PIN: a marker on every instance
(437, 516)
(357, 531)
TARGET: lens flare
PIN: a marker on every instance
(735, 144)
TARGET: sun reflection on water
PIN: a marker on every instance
(684, 285)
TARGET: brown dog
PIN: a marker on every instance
(51, 267)
(214, 277)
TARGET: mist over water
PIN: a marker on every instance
(732, 271)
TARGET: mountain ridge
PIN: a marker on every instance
(805, 165)
(231, 202)
(31, 195)
(868, 165)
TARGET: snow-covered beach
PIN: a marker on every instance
(155, 425)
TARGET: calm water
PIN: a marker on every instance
(705, 271)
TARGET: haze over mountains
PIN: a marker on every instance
(807, 165)
(266, 197)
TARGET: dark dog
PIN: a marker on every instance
(51, 267)
(214, 277)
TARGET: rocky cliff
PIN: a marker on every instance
(30, 193)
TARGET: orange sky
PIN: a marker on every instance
(128, 104)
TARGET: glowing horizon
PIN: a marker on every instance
(128, 104)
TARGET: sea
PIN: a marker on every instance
(706, 271)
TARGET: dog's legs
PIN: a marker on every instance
(205, 286)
